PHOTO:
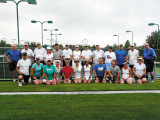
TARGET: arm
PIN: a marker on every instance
(90, 72)
(83, 71)
(54, 76)
(32, 71)
(134, 71)
(121, 73)
(105, 73)
(7, 58)
(45, 76)
(41, 73)
(64, 76)
(17, 68)
(130, 73)
(95, 73)
(80, 56)
(90, 57)
(118, 76)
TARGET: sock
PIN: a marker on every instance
(152, 77)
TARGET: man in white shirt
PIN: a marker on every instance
(39, 52)
(23, 68)
(87, 55)
(30, 54)
(67, 55)
(133, 54)
(109, 56)
(98, 53)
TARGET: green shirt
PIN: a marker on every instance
(49, 71)
(114, 71)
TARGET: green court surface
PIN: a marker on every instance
(6, 86)
(80, 107)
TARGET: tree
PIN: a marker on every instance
(32, 44)
(3, 43)
(115, 46)
(127, 44)
(93, 46)
(152, 40)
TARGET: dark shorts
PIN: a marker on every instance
(100, 78)
(131, 66)
(149, 65)
(12, 66)
(35, 79)
(120, 66)
(25, 78)
(64, 63)
(136, 78)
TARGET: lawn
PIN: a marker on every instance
(6, 86)
(81, 107)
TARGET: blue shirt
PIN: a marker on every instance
(121, 56)
(100, 69)
(49, 71)
(37, 69)
(13, 55)
(150, 54)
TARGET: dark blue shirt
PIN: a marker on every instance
(100, 69)
(121, 56)
(149, 54)
(13, 55)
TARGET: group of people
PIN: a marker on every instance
(52, 67)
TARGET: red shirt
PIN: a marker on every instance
(67, 72)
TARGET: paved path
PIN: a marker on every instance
(75, 93)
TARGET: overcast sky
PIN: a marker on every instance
(94, 20)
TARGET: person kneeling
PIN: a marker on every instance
(126, 74)
(139, 71)
(100, 72)
(67, 73)
(77, 72)
(49, 73)
(23, 68)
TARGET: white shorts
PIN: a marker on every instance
(87, 77)
(44, 80)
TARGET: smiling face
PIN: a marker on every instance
(48, 50)
(26, 47)
(100, 61)
(38, 61)
(39, 46)
(49, 63)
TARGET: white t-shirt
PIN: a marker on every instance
(29, 53)
(133, 56)
(39, 53)
(139, 68)
(97, 54)
(109, 56)
(46, 56)
(87, 54)
(67, 53)
(24, 66)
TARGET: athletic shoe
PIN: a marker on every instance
(152, 81)
(110, 81)
(14, 80)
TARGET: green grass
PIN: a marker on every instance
(13, 87)
(81, 107)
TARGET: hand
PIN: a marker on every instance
(34, 78)
(20, 72)
(111, 76)
(9, 61)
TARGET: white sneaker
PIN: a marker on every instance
(110, 81)
(30, 81)
(14, 80)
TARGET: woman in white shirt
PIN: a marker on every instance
(126, 74)
(139, 71)
(47, 55)
(76, 55)
(77, 72)
(58, 71)
(87, 72)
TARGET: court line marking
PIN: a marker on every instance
(79, 93)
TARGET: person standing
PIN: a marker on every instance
(23, 68)
(109, 56)
(149, 57)
(98, 53)
(67, 55)
(47, 55)
(87, 54)
(76, 55)
(114, 72)
(58, 54)
(39, 52)
(133, 54)
(30, 54)
(67, 73)
(14, 56)
(100, 72)
(121, 56)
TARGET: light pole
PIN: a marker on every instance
(51, 33)
(56, 37)
(17, 3)
(152, 24)
(132, 34)
(118, 38)
(34, 21)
